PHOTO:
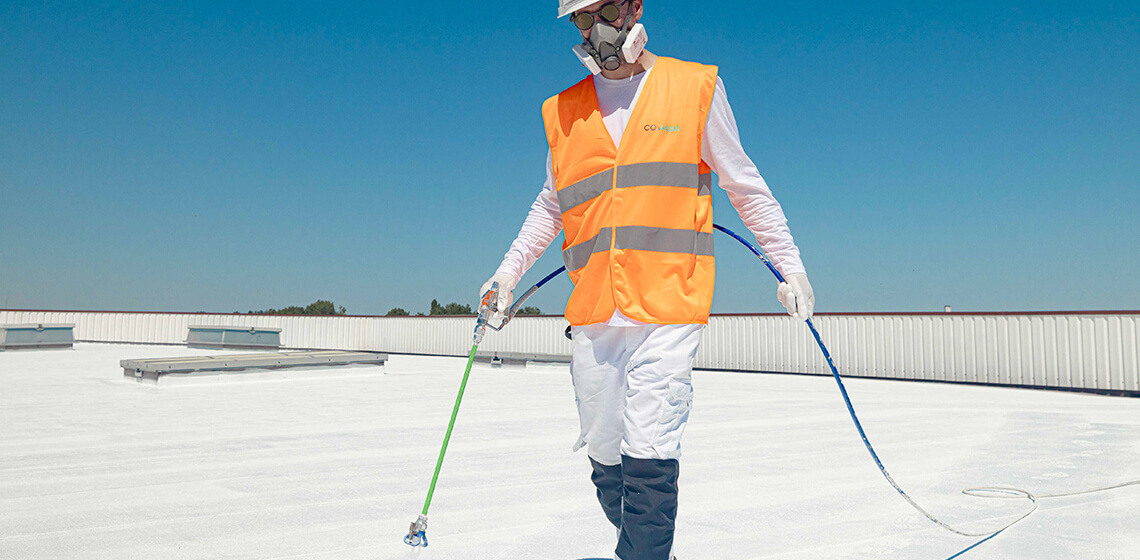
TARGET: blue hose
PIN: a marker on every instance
(980, 492)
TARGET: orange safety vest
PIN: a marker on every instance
(637, 217)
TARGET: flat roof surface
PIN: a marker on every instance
(93, 465)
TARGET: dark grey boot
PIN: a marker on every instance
(607, 479)
(649, 508)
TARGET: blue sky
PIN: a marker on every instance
(203, 156)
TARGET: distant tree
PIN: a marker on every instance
(319, 307)
(397, 312)
(449, 309)
(529, 310)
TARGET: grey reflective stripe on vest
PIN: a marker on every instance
(577, 256)
(664, 240)
(585, 190)
(657, 173)
(665, 174)
(640, 238)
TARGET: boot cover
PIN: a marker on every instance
(649, 508)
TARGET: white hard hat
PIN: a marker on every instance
(566, 7)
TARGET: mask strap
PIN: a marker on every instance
(625, 27)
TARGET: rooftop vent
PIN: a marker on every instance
(36, 336)
(243, 338)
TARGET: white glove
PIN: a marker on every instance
(502, 298)
(796, 295)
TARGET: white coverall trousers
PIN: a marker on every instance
(634, 389)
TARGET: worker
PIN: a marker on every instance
(628, 180)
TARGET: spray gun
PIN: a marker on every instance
(489, 306)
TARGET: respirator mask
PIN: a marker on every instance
(608, 46)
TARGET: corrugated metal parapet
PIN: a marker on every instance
(233, 337)
(36, 336)
(1077, 350)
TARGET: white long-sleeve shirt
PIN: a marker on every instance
(720, 149)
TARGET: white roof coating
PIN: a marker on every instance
(96, 466)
